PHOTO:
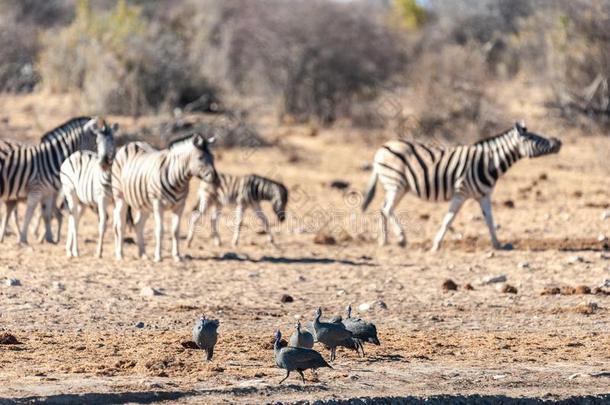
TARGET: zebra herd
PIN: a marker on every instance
(78, 161)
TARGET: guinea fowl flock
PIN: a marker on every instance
(299, 354)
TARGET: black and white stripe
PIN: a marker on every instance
(86, 182)
(149, 180)
(32, 172)
(243, 192)
(450, 174)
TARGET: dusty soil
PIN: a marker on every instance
(74, 320)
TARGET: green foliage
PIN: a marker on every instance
(408, 14)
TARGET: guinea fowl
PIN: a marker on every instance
(205, 335)
(296, 358)
(301, 338)
(361, 330)
(331, 334)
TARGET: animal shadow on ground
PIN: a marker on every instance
(286, 260)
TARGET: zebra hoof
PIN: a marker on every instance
(178, 259)
(157, 259)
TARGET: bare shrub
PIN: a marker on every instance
(122, 63)
(316, 56)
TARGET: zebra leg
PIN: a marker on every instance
(195, 215)
(141, 216)
(47, 214)
(176, 215)
(59, 217)
(214, 225)
(454, 208)
(392, 202)
(71, 201)
(239, 216)
(158, 213)
(120, 214)
(78, 213)
(392, 198)
(261, 216)
(102, 205)
(485, 204)
(9, 211)
(32, 202)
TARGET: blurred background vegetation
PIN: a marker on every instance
(366, 63)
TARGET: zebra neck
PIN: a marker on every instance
(503, 152)
(177, 170)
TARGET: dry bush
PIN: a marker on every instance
(122, 63)
(317, 57)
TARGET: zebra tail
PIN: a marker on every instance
(370, 191)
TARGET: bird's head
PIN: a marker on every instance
(278, 335)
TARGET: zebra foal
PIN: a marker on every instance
(150, 180)
(86, 182)
(243, 192)
(31, 172)
(450, 174)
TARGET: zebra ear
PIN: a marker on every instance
(198, 141)
(520, 127)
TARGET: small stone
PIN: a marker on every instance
(380, 304)
(254, 274)
(58, 286)
(365, 306)
(339, 184)
(582, 289)
(340, 292)
(509, 204)
(149, 292)
(602, 238)
(298, 317)
(500, 278)
(12, 282)
(491, 254)
(449, 285)
(322, 238)
(139, 325)
(523, 265)
(366, 166)
(605, 283)
(508, 289)
(575, 259)
(301, 278)
(605, 215)
(285, 298)
(8, 339)
(551, 291)
(468, 287)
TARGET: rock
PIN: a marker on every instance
(365, 306)
(12, 282)
(449, 285)
(149, 292)
(8, 339)
(366, 166)
(139, 325)
(380, 304)
(602, 238)
(285, 298)
(605, 215)
(58, 286)
(339, 184)
(509, 204)
(575, 259)
(523, 265)
(582, 289)
(298, 317)
(254, 274)
(500, 278)
(551, 291)
(301, 278)
(543, 176)
(468, 287)
(508, 289)
(605, 283)
(340, 292)
(491, 254)
(322, 238)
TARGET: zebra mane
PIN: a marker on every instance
(174, 142)
(491, 138)
(59, 131)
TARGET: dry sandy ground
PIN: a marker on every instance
(75, 318)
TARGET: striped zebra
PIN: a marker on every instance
(450, 174)
(86, 182)
(32, 172)
(11, 207)
(146, 179)
(244, 192)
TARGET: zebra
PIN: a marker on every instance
(450, 174)
(32, 172)
(145, 179)
(244, 192)
(10, 211)
(86, 180)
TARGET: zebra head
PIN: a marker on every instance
(104, 140)
(202, 160)
(279, 201)
(533, 145)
